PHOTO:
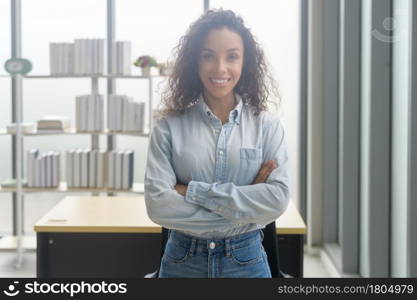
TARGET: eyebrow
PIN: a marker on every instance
(228, 50)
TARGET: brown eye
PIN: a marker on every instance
(207, 56)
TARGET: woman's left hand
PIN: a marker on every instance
(181, 189)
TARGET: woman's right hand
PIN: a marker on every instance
(266, 169)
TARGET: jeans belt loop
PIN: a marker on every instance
(193, 246)
(227, 247)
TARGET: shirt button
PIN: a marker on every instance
(212, 245)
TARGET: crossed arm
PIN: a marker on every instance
(265, 170)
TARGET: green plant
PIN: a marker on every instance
(145, 61)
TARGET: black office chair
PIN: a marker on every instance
(269, 242)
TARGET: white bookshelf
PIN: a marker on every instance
(137, 188)
(73, 131)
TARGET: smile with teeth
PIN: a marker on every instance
(219, 82)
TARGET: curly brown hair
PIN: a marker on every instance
(184, 85)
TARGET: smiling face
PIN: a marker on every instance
(220, 63)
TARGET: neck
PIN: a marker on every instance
(221, 107)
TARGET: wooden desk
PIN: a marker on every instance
(114, 237)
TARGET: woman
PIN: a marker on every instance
(217, 163)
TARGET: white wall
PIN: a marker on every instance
(154, 27)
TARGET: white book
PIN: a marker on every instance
(55, 168)
(93, 56)
(101, 168)
(97, 111)
(101, 56)
(91, 112)
(63, 58)
(90, 56)
(77, 168)
(101, 113)
(31, 167)
(84, 113)
(48, 169)
(132, 115)
(127, 169)
(141, 117)
(70, 168)
(42, 171)
(114, 59)
(118, 113)
(131, 155)
(92, 169)
(84, 168)
(84, 58)
(125, 113)
(71, 59)
(58, 51)
(119, 169)
(110, 112)
(77, 113)
(51, 59)
(38, 167)
(127, 58)
(77, 56)
(111, 170)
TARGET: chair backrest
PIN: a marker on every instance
(269, 242)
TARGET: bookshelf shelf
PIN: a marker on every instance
(92, 76)
(3, 131)
(138, 188)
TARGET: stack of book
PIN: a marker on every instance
(120, 169)
(61, 58)
(125, 115)
(99, 169)
(86, 168)
(43, 169)
(87, 57)
(83, 57)
(89, 113)
(122, 61)
(53, 123)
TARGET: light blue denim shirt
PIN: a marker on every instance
(219, 163)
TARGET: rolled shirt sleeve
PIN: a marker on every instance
(261, 203)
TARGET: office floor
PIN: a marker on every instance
(313, 267)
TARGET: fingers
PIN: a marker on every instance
(266, 169)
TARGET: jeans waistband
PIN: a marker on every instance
(213, 245)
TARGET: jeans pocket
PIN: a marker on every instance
(251, 253)
(176, 252)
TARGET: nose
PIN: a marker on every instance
(221, 66)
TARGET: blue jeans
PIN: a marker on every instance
(240, 256)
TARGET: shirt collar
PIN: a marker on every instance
(234, 115)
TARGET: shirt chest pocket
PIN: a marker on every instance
(250, 163)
